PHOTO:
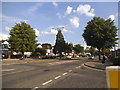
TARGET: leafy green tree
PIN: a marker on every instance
(41, 51)
(100, 33)
(60, 44)
(78, 48)
(106, 51)
(22, 38)
(92, 50)
(68, 47)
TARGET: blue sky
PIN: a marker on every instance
(46, 17)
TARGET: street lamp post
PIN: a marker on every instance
(83, 43)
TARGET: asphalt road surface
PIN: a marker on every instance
(51, 74)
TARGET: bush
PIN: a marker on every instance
(115, 60)
(16, 56)
(35, 55)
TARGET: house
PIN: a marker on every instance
(48, 48)
(4, 48)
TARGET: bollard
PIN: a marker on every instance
(113, 77)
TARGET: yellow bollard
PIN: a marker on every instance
(113, 77)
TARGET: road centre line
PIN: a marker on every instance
(34, 88)
(64, 73)
(47, 82)
(57, 77)
(70, 70)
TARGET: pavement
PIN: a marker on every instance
(97, 64)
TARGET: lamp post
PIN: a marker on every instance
(83, 43)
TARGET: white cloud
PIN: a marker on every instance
(11, 20)
(85, 9)
(37, 32)
(69, 10)
(3, 36)
(74, 22)
(52, 32)
(7, 28)
(55, 4)
(34, 8)
(61, 26)
(112, 17)
(65, 30)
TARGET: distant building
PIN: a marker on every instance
(4, 47)
(39, 45)
(48, 48)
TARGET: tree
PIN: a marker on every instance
(106, 51)
(22, 38)
(100, 33)
(68, 47)
(60, 44)
(92, 50)
(78, 48)
(41, 51)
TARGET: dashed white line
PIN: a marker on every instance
(47, 82)
(8, 69)
(51, 63)
(34, 88)
(70, 70)
(64, 73)
(57, 77)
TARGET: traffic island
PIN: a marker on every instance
(95, 66)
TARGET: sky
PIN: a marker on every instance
(46, 17)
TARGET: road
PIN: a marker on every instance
(51, 74)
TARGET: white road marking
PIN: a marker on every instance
(64, 73)
(70, 70)
(51, 63)
(7, 64)
(57, 77)
(78, 67)
(47, 82)
(34, 88)
(16, 72)
(8, 69)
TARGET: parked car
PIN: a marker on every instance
(91, 57)
(74, 56)
(69, 56)
(84, 55)
(49, 57)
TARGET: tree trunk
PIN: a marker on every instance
(23, 55)
(9, 54)
(60, 55)
(99, 53)
(102, 52)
